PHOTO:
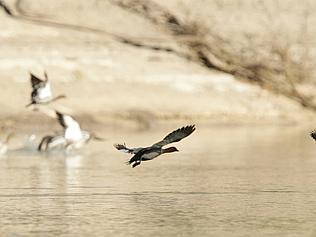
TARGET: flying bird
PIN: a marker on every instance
(41, 91)
(73, 135)
(152, 152)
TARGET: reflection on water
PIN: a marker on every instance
(235, 181)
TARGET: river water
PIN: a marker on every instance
(225, 181)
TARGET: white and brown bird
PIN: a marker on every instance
(152, 152)
(41, 91)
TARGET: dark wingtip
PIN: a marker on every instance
(59, 117)
(189, 128)
(32, 75)
(119, 146)
(58, 113)
(45, 75)
(313, 134)
(192, 127)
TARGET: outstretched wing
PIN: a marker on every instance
(61, 119)
(176, 135)
(49, 141)
(66, 121)
(123, 148)
(313, 134)
(36, 82)
(44, 142)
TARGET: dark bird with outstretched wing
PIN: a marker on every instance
(149, 153)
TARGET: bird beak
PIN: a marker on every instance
(97, 138)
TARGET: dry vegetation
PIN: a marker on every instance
(266, 42)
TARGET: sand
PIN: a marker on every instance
(109, 83)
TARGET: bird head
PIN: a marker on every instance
(170, 149)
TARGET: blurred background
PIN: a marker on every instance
(243, 71)
(137, 62)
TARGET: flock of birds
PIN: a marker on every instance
(74, 137)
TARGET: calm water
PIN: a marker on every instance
(226, 181)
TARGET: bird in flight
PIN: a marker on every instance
(73, 135)
(41, 91)
(152, 152)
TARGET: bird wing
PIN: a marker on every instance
(313, 134)
(56, 141)
(176, 135)
(123, 148)
(36, 82)
(138, 155)
(61, 119)
(44, 142)
(45, 92)
(46, 77)
(72, 130)
(66, 121)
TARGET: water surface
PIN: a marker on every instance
(226, 181)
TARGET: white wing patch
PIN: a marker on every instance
(45, 93)
(73, 131)
(56, 141)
